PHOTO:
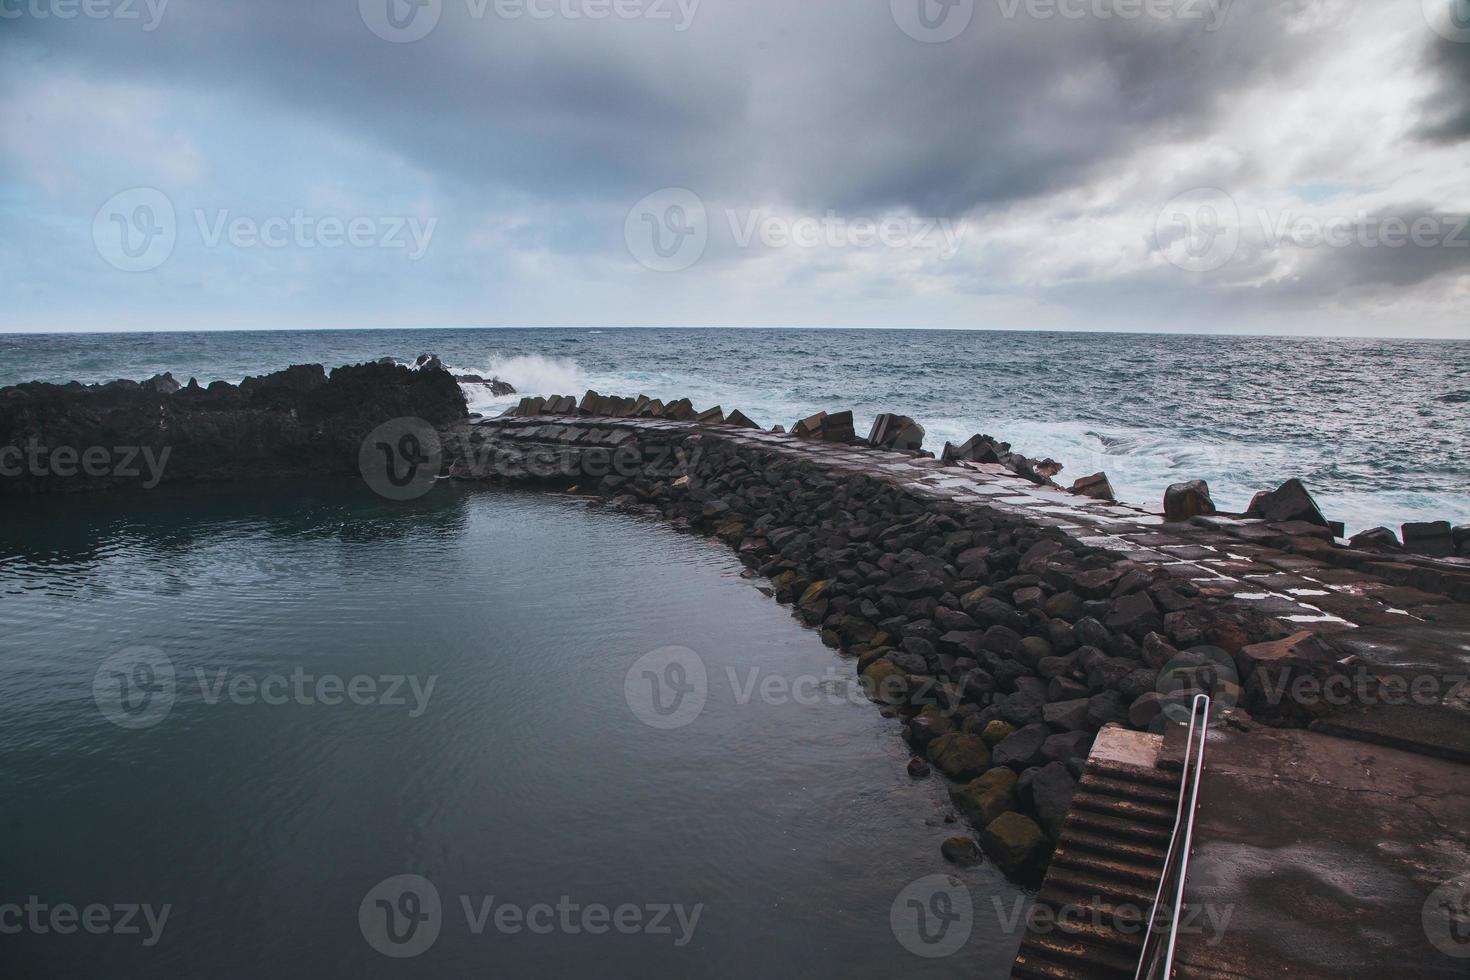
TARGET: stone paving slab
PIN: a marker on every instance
(1324, 852)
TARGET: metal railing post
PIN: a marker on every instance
(1178, 851)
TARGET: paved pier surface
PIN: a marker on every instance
(1325, 844)
(1325, 853)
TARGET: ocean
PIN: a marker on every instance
(1376, 428)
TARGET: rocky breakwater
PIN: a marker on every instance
(1000, 642)
(300, 422)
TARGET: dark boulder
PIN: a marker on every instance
(1049, 794)
(1185, 500)
(1381, 538)
(1014, 842)
(1022, 749)
(1289, 502)
(1433, 538)
(1096, 486)
(897, 432)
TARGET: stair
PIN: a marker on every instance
(1090, 913)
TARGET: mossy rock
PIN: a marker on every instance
(960, 757)
(1014, 842)
(817, 594)
(884, 681)
(982, 800)
(961, 850)
(731, 531)
(929, 724)
(996, 732)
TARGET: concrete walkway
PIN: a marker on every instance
(1323, 856)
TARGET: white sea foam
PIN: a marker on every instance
(1139, 462)
(530, 374)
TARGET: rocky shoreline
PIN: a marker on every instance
(1001, 640)
(296, 423)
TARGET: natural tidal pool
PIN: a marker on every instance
(243, 715)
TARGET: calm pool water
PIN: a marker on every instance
(256, 709)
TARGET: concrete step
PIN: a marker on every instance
(1118, 829)
(1166, 796)
(1105, 871)
(1081, 840)
(1126, 809)
(1120, 870)
(1071, 956)
(1080, 886)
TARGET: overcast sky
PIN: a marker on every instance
(1264, 166)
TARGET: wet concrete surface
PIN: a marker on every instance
(1322, 857)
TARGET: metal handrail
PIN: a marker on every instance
(1199, 714)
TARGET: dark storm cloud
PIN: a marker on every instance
(822, 104)
(1447, 111)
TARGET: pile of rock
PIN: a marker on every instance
(1001, 646)
(612, 406)
(988, 449)
(293, 423)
